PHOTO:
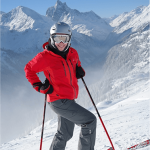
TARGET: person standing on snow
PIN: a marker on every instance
(62, 68)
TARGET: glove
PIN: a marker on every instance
(44, 88)
(80, 73)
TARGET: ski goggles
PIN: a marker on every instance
(61, 38)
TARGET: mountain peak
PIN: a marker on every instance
(139, 9)
(83, 22)
(59, 3)
(60, 9)
(55, 12)
(21, 18)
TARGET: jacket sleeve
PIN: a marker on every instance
(37, 64)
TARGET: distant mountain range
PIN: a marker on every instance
(24, 31)
(87, 23)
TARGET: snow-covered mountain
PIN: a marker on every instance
(24, 31)
(126, 65)
(87, 23)
(121, 59)
(128, 23)
(134, 20)
(128, 54)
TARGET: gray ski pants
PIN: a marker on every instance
(70, 113)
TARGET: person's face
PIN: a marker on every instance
(61, 46)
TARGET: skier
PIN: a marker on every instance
(62, 68)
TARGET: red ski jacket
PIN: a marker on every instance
(61, 73)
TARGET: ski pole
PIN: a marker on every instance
(140, 145)
(43, 122)
(111, 148)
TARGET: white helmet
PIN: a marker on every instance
(60, 27)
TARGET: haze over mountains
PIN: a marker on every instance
(119, 52)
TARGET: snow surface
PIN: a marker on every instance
(127, 122)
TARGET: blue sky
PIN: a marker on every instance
(104, 8)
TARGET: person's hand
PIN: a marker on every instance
(80, 73)
(44, 88)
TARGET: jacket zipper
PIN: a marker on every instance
(71, 64)
(64, 68)
(71, 80)
(49, 76)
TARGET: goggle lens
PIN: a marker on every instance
(61, 38)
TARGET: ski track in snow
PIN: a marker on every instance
(127, 123)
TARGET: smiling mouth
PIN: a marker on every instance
(61, 46)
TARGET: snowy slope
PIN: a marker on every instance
(134, 20)
(127, 122)
(126, 64)
(87, 23)
(134, 49)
